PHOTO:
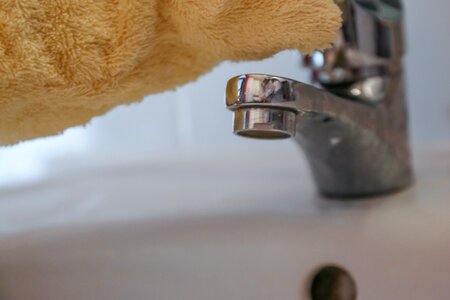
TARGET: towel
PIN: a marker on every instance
(64, 62)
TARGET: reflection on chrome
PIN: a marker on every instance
(353, 128)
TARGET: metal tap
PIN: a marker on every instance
(352, 122)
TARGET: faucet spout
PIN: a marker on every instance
(354, 148)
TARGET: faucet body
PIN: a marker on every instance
(352, 122)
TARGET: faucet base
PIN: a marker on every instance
(348, 161)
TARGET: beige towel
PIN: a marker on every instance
(64, 62)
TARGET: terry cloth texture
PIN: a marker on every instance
(64, 62)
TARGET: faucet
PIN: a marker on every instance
(351, 122)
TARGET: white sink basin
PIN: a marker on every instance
(240, 227)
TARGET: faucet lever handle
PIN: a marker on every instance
(373, 27)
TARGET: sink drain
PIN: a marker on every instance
(332, 283)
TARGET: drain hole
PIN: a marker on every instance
(333, 283)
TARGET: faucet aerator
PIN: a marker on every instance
(264, 123)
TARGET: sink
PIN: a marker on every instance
(235, 226)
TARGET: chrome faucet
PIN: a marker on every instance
(352, 122)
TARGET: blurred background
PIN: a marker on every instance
(192, 121)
